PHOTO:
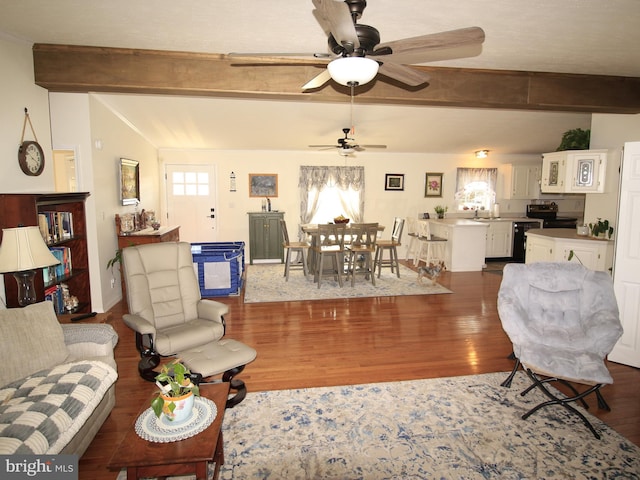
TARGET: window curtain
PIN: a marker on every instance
(314, 179)
(487, 176)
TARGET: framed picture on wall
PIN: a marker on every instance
(394, 181)
(263, 184)
(129, 181)
(433, 185)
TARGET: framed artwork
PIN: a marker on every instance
(394, 181)
(433, 185)
(263, 184)
(129, 181)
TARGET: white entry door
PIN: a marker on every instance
(626, 280)
(191, 200)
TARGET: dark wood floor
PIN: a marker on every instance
(338, 342)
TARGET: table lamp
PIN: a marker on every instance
(22, 252)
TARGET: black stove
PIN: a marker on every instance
(548, 213)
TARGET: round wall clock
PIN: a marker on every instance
(31, 158)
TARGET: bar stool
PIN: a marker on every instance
(414, 234)
(392, 247)
(431, 248)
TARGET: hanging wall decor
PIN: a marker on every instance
(433, 185)
(129, 181)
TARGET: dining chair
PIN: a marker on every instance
(391, 246)
(301, 248)
(361, 251)
(430, 247)
(329, 244)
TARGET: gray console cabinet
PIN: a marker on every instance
(265, 236)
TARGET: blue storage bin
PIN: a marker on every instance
(219, 267)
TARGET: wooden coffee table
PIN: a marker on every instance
(142, 458)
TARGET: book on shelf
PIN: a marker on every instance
(55, 226)
(63, 269)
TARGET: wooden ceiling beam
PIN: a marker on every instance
(65, 68)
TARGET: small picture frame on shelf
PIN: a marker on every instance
(433, 184)
(263, 184)
(394, 181)
(129, 181)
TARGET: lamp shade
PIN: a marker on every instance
(353, 70)
(24, 249)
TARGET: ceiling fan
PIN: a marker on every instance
(347, 145)
(357, 55)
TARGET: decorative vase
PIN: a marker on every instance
(181, 412)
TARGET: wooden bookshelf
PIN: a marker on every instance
(18, 209)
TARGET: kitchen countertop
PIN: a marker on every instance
(563, 233)
(506, 219)
(458, 222)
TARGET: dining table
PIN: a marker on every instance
(311, 230)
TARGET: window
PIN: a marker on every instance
(190, 183)
(476, 188)
(327, 192)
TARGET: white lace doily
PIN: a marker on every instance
(154, 429)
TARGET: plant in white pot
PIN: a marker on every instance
(601, 229)
(176, 393)
(440, 210)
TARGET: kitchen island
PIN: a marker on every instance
(556, 245)
(465, 245)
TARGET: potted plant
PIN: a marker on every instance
(576, 139)
(176, 394)
(601, 229)
(440, 210)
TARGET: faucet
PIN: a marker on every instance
(475, 215)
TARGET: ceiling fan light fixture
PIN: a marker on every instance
(344, 151)
(353, 71)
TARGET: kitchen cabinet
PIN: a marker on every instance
(265, 236)
(499, 239)
(574, 171)
(556, 245)
(465, 246)
(521, 182)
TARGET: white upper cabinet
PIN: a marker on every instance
(574, 171)
(522, 181)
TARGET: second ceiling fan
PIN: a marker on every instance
(347, 145)
(360, 44)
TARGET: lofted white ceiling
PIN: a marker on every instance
(569, 36)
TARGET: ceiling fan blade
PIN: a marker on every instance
(403, 73)
(325, 146)
(419, 49)
(337, 16)
(374, 146)
(318, 80)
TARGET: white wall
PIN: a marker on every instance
(100, 139)
(380, 205)
(17, 92)
(610, 131)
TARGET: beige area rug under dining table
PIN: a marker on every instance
(266, 283)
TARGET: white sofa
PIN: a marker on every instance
(57, 382)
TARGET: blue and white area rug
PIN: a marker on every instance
(450, 428)
(266, 283)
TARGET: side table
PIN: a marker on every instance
(192, 455)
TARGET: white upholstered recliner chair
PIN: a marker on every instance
(170, 318)
(563, 320)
